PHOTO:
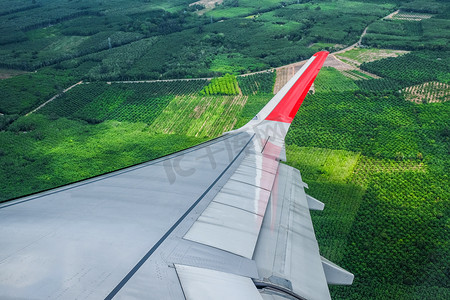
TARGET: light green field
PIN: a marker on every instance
(357, 5)
(230, 12)
(43, 33)
(200, 116)
(321, 164)
(328, 174)
(66, 44)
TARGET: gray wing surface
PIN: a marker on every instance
(222, 220)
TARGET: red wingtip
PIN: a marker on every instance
(286, 110)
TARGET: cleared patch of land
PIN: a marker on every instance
(333, 62)
(429, 92)
(286, 72)
(407, 16)
(358, 56)
(8, 73)
(208, 4)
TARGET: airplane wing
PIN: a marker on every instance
(222, 220)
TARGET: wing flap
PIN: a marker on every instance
(254, 201)
(287, 247)
(228, 228)
(233, 219)
(206, 284)
(314, 204)
(254, 177)
(335, 274)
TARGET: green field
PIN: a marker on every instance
(331, 80)
(378, 161)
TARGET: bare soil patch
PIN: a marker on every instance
(429, 92)
(346, 69)
(208, 4)
(332, 61)
(409, 16)
(285, 73)
(359, 56)
(8, 73)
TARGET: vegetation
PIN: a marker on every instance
(381, 166)
(22, 93)
(134, 102)
(259, 83)
(410, 34)
(428, 92)
(226, 85)
(331, 80)
(409, 68)
(120, 40)
(404, 71)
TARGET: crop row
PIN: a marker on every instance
(408, 69)
(226, 85)
(202, 116)
(428, 92)
(259, 83)
(380, 125)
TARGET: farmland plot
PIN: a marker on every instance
(428, 92)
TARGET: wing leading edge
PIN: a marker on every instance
(219, 219)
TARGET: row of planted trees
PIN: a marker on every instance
(226, 85)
